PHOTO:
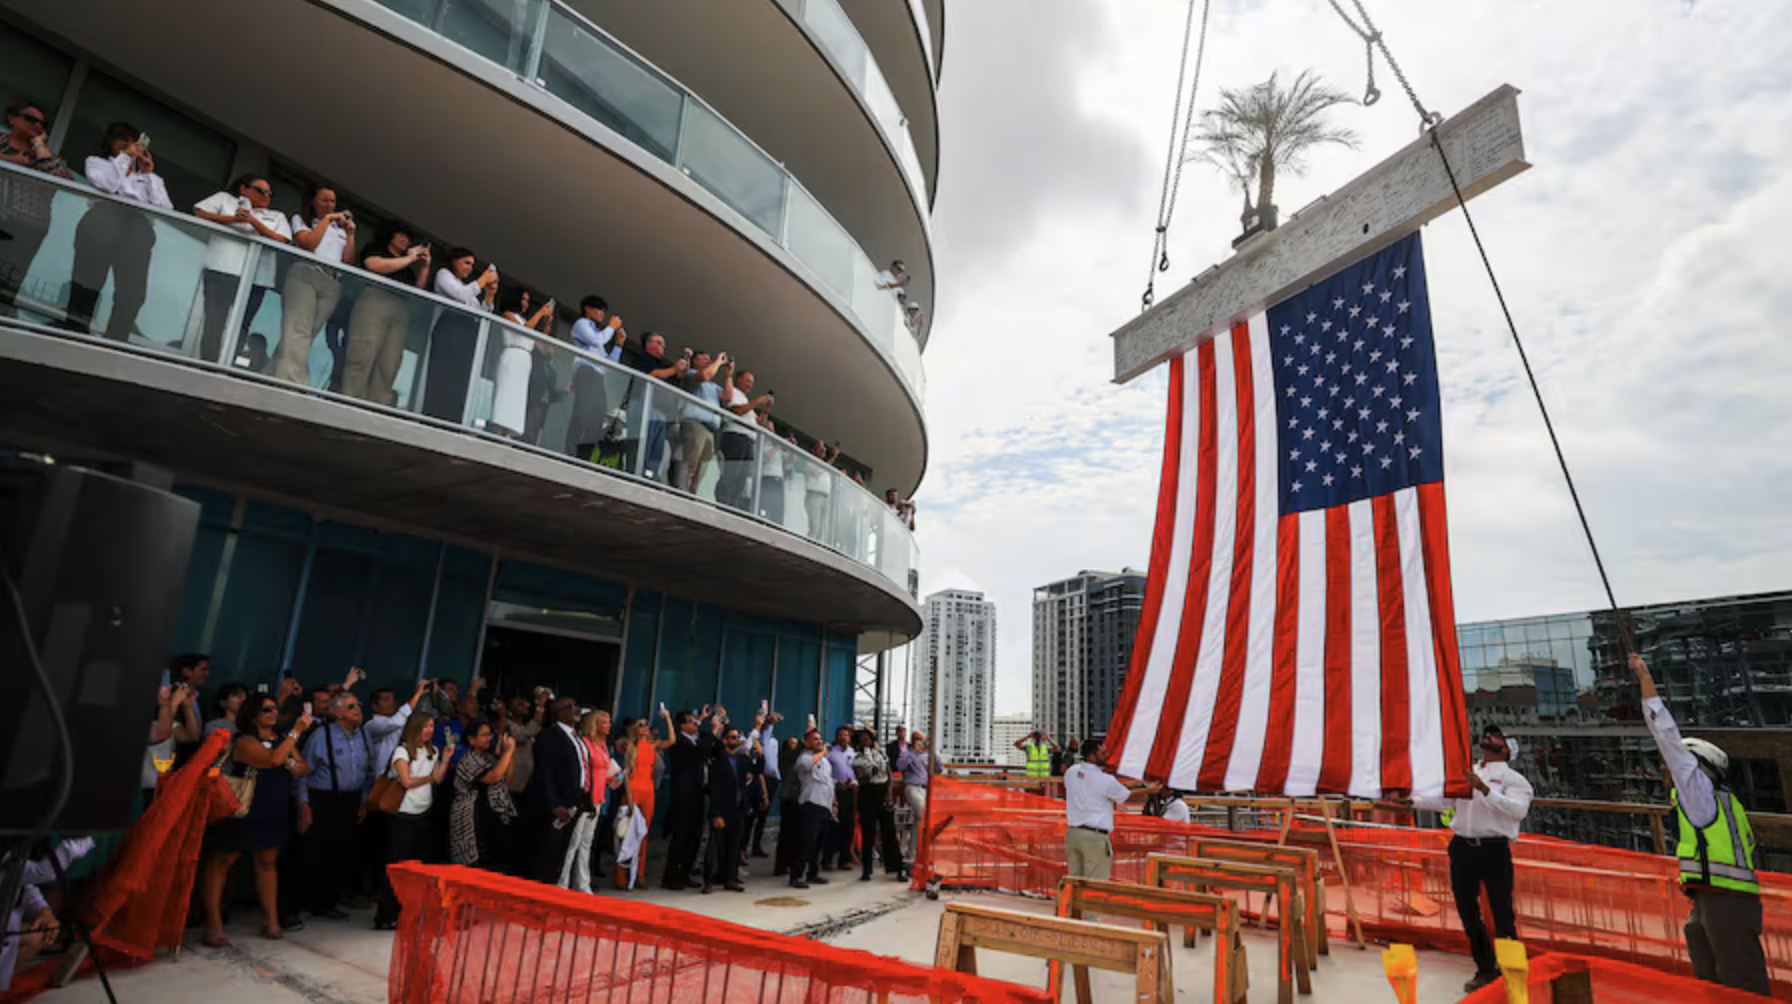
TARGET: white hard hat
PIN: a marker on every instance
(1708, 753)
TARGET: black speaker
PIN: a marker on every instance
(99, 562)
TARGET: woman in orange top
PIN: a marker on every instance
(642, 750)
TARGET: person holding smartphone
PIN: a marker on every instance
(418, 767)
(244, 207)
(25, 214)
(510, 399)
(380, 322)
(456, 334)
(114, 239)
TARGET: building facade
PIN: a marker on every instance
(1083, 630)
(1561, 686)
(958, 649)
(1004, 732)
(397, 472)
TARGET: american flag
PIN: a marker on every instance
(1298, 634)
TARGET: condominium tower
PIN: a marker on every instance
(959, 650)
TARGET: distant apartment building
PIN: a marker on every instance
(958, 647)
(1082, 640)
(1004, 732)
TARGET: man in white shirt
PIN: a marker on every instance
(114, 239)
(601, 334)
(387, 723)
(1175, 809)
(1090, 795)
(1485, 825)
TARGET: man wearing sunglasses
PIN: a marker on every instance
(1484, 826)
(24, 205)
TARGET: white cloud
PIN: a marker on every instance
(1641, 258)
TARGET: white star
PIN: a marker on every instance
(1326, 326)
(1346, 368)
(1294, 423)
(1393, 365)
(1358, 346)
(1409, 378)
(1340, 457)
(1363, 413)
(1325, 447)
(1375, 356)
(1338, 304)
(1394, 402)
(1356, 472)
(1293, 454)
(1376, 390)
(1311, 317)
(1291, 392)
(1312, 465)
(1403, 304)
(1296, 487)
(1286, 329)
(1302, 370)
(1324, 413)
(1326, 481)
(1371, 323)
(1298, 339)
(1331, 357)
(1413, 452)
(1388, 330)
(1386, 295)
(1306, 433)
(1413, 415)
(1406, 343)
(1362, 378)
(1343, 334)
(1306, 402)
(1334, 390)
(1368, 287)
(1387, 462)
(1399, 271)
(1368, 448)
(1381, 427)
(1337, 423)
(1287, 360)
(1315, 346)
(1399, 437)
(1318, 381)
(1355, 311)
(1353, 436)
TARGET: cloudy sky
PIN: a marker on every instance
(1643, 256)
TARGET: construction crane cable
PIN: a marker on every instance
(1182, 119)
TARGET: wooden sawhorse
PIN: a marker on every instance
(1283, 882)
(1312, 884)
(964, 928)
(1162, 908)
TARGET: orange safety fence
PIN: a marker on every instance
(144, 891)
(1569, 897)
(467, 937)
(1613, 982)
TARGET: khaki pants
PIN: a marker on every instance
(699, 442)
(377, 329)
(307, 301)
(917, 803)
(1088, 853)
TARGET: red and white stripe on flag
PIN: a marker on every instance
(1287, 650)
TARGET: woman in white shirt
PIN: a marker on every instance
(456, 335)
(312, 289)
(771, 470)
(419, 768)
(114, 239)
(818, 491)
(510, 399)
(245, 207)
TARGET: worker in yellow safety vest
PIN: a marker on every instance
(1038, 747)
(1716, 851)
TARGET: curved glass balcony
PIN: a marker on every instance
(829, 24)
(561, 52)
(86, 265)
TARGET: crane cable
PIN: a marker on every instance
(1428, 123)
(1181, 121)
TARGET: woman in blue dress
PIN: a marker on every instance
(259, 745)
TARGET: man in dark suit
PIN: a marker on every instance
(687, 760)
(729, 772)
(557, 793)
(894, 749)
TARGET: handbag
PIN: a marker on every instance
(241, 785)
(387, 794)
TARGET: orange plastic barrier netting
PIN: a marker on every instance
(1570, 897)
(1613, 982)
(468, 936)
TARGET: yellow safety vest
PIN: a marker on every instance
(1721, 855)
(1039, 760)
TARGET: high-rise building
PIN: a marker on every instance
(1082, 639)
(1004, 732)
(394, 475)
(959, 650)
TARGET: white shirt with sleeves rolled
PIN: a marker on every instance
(114, 175)
(1498, 813)
(1090, 795)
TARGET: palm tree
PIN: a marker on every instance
(1265, 128)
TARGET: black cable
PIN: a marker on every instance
(1181, 122)
(64, 745)
(1548, 425)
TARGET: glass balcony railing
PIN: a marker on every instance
(829, 23)
(91, 266)
(558, 50)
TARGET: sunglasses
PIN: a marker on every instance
(37, 120)
(263, 189)
(269, 707)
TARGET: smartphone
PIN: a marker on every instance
(261, 688)
(765, 707)
(143, 142)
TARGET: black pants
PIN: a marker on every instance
(450, 369)
(722, 861)
(811, 825)
(757, 815)
(547, 851)
(877, 820)
(681, 851)
(590, 410)
(789, 832)
(407, 840)
(115, 240)
(732, 488)
(336, 334)
(1472, 866)
(1723, 937)
(219, 291)
(329, 848)
(839, 845)
(771, 499)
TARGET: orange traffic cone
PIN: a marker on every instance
(1403, 972)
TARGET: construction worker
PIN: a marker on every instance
(1716, 852)
(1038, 747)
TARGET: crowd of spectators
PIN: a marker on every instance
(536, 785)
(611, 420)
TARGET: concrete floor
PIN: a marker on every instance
(345, 962)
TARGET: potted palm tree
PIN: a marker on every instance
(1265, 128)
